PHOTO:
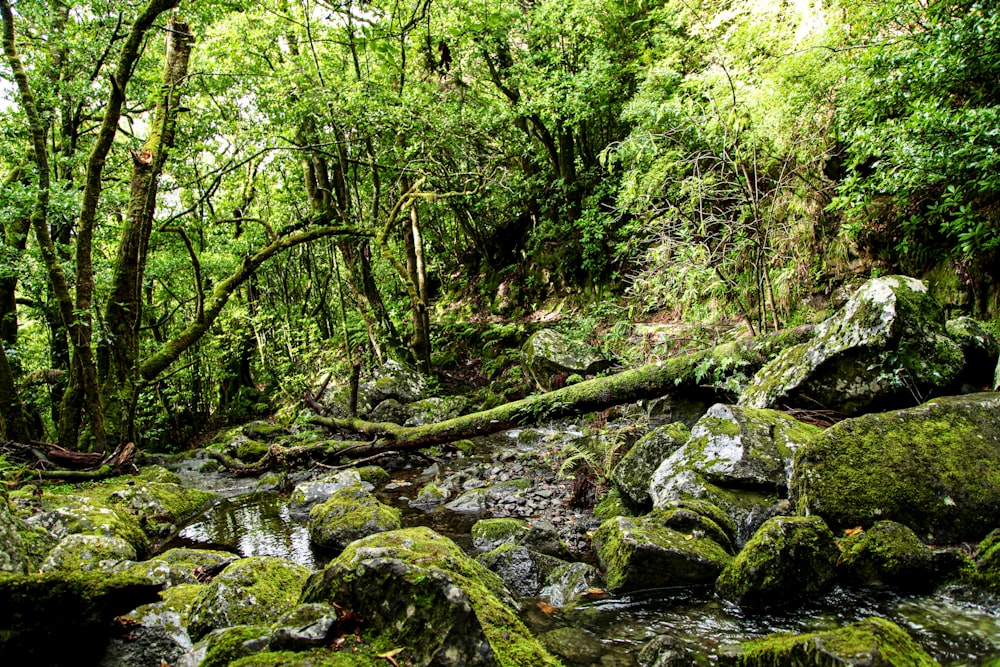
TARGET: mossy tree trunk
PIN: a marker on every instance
(651, 381)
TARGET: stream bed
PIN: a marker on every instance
(609, 631)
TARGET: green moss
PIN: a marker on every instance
(487, 534)
(611, 505)
(374, 475)
(934, 468)
(353, 655)
(888, 553)
(872, 641)
(250, 451)
(986, 573)
(233, 643)
(251, 590)
(642, 553)
(788, 560)
(349, 514)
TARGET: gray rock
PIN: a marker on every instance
(788, 561)
(570, 582)
(470, 502)
(158, 634)
(304, 627)
(433, 410)
(350, 514)
(488, 534)
(397, 381)
(389, 411)
(308, 494)
(891, 554)
(542, 537)
(523, 570)
(884, 348)
(934, 468)
(634, 472)
(430, 496)
(667, 651)
(250, 591)
(548, 354)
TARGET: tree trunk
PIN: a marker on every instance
(15, 426)
(651, 381)
(119, 351)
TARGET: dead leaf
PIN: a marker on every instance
(391, 655)
(546, 607)
(849, 532)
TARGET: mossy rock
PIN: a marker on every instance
(250, 591)
(305, 627)
(250, 451)
(875, 642)
(611, 504)
(789, 560)
(549, 354)
(986, 573)
(885, 346)
(157, 632)
(394, 380)
(417, 589)
(641, 553)
(488, 534)
(88, 552)
(160, 505)
(890, 553)
(64, 618)
(306, 495)
(736, 446)
(350, 514)
(523, 570)
(373, 475)
(934, 468)
(634, 472)
(86, 516)
(434, 410)
(697, 517)
(181, 566)
(225, 646)
(570, 582)
(430, 496)
(13, 554)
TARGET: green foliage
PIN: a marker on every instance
(919, 130)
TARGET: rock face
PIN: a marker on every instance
(874, 641)
(789, 560)
(548, 355)
(350, 514)
(887, 345)
(635, 471)
(890, 553)
(737, 458)
(934, 468)
(252, 590)
(421, 591)
(642, 553)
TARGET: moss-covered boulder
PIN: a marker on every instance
(64, 618)
(887, 345)
(417, 589)
(934, 468)
(874, 642)
(81, 515)
(306, 495)
(985, 574)
(641, 553)
(88, 552)
(890, 553)
(790, 559)
(304, 627)
(980, 349)
(179, 566)
(157, 632)
(737, 458)
(13, 555)
(549, 355)
(523, 570)
(698, 518)
(635, 471)
(251, 590)
(544, 538)
(488, 534)
(350, 514)
(397, 381)
(159, 505)
(226, 646)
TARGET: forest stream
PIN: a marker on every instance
(602, 629)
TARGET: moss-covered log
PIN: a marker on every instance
(654, 380)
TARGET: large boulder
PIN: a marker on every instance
(635, 471)
(523, 570)
(88, 552)
(934, 468)
(789, 560)
(157, 632)
(306, 495)
(980, 349)
(874, 642)
(394, 380)
(252, 590)
(421, 591)
(642, 553)
(550, 357)
(737, 458)
(884, 348)
(350, 514)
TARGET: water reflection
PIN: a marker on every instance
(258, 524)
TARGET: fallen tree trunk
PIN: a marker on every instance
(708, 367)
